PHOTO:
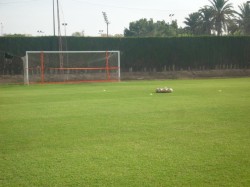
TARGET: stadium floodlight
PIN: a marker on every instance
(54, 26)
(80, 66)
(40, 32)
(171, 16)
(106, 21)
(65, 30)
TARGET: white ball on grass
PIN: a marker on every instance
(171, 90)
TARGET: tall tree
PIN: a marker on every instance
(142, 27)
(163, 29)
(222, 13)
(149, 28)
(193, 22)
(244, 18)
(206, 20)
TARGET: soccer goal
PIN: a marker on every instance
(71, 66)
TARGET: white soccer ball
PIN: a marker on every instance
(171, 90)
(157, 90)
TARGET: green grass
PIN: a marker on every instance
(81, 135)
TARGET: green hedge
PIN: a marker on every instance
(158, 54)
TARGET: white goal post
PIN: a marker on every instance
(71, 66)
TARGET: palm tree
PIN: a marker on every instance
(222, 13)
(206, 16)
(193, 23)
(244, 18)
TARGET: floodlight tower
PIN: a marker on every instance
(171, 16)
(106, 21)
(65, 31)
(65, 34)
(59, 34)
(54, 27)
(40, 32)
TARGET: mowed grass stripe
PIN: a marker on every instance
(124, 134)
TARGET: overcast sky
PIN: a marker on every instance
(30, 16)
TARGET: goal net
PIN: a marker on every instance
(71, 66)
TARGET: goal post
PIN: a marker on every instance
(71, 66)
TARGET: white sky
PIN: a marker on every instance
(29, 16)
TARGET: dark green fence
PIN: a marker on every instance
(140, 54)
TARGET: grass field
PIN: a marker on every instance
(119, 134)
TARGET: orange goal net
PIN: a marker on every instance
(71, 66)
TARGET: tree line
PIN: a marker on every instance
(217, 18)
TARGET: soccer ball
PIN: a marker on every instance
(158, 90)
(170, 90)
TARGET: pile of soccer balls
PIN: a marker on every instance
(164, 90)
